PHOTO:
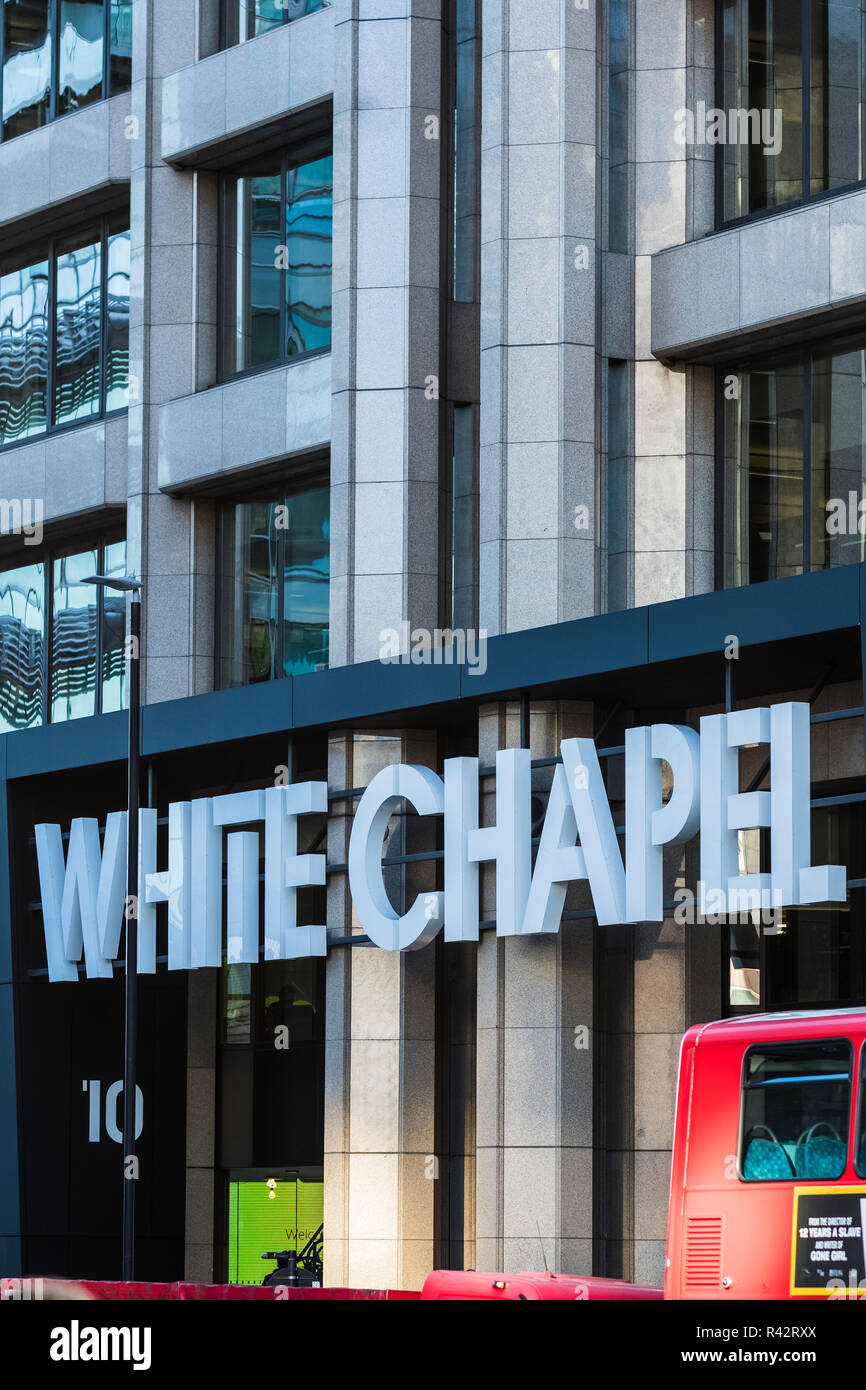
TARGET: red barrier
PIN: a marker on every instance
(250, 1293)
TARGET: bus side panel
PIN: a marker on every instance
(679, 1164)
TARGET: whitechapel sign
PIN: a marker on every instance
(83, 900)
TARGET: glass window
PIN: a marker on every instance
(61, 55)
(246, 19)
(26, 66)
(80, 54)
(619, 112)
(114, 687)
(793, 494)
(467, 151)
(86, 625)
(117, 320)
(276, 242)
(24, 339)
(120, 46)
(275, 588)
(618, 483)
(82, 287)
(78, 328)
(779, 80)
(309, 236)
(796, 1103)
(74, 637)
(22, 646)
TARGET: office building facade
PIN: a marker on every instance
(458, 376)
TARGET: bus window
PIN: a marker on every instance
(796, 1102)
(860, 1149)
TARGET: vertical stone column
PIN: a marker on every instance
(385, 353)
(538, 309)
(674, 441)
(380, 1169)
(172, 352)
(534, 1088)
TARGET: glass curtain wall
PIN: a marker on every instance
(791, 87)
(59, 56)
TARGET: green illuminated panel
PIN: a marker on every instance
(259, 1221)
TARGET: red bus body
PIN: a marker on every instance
(729, 1238)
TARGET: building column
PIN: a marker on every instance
(538, 313)
(385, 348)
(534, 1156)
(172, 352)
(201, 1062)
(380, 1164)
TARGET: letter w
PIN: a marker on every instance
(83, 899)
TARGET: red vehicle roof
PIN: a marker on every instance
(800, 1023)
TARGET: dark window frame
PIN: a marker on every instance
(860, 1117)
(281, 488)
(789, 1043)
(106, 227)
(723, 223)
(318, 147)
(805, 356)
(46, 556)
(53, 92)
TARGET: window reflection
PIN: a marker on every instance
(23, 352)
(246, 19)
(120, 45)
(117, 321)
(114, 665)
(26, 66)
(80, 53)
(76, 340)
(79, 322)
(74, 637)
(275, 583)
(309, 234)
(21, 647)
(276, 240)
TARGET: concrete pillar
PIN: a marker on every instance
(538, 277)
(380, 1161)
(534, 1082)
(172, 352)
(385, 353)
(673, 407)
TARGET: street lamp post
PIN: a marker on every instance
(131, 586)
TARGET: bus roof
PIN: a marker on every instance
(799, 1023)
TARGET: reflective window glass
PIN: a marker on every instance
(275, 588)
(120, 45)
(24, 342)
(306, 573)
(860, 1147)
(252, 238)
(26, 66)
(309, 235)
(80, 54)
(114, 665)
(117, 321)
(22, 647)
(74, 637)
(78, 330)
(246, 19)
